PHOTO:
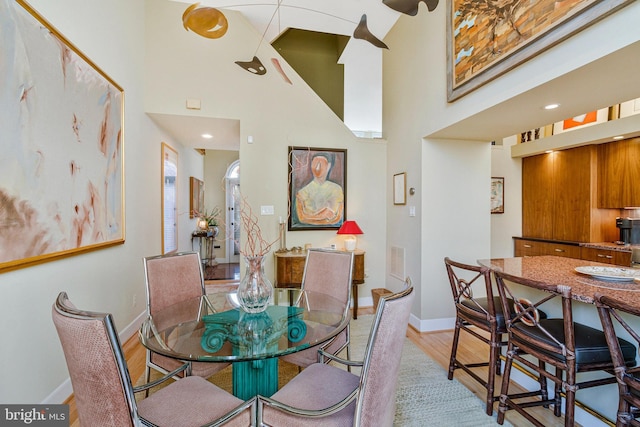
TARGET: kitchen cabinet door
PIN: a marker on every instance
(573, 174)
(537, 196)
(524, 247)
(559, 195)
(528, 247)
(596, 254)
(619, 174)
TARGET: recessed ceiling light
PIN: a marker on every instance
(551, 106)
(207, 135)
(618, 137)
(549, 151)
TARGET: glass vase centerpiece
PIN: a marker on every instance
(255, 289)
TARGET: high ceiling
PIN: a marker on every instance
(341, 17)
(328, 16)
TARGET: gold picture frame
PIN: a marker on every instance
(62, 141)
(196, 201)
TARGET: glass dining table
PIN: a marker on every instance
(213, 328)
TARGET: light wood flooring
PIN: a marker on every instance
(436, 345)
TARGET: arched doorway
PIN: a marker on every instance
(232, 187)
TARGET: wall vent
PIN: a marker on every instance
(397, 262)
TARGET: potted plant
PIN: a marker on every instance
(209, 220)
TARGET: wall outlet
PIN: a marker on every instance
(134, 300)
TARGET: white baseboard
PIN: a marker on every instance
(64, 390)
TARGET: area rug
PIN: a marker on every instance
(424, 396)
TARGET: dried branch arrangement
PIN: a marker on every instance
(255, 244)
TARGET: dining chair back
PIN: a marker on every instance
(616, 313)
(568, 346)
(102, 387)
(328, 272)
(173, 278)
(478, 312)
(379, 377)
(326, 395)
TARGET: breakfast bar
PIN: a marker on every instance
(616, 282)
(576, 325)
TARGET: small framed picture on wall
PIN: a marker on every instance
(400, 188)
(497, 195)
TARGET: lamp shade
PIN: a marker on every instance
(350, 227)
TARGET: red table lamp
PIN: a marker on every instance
(350, 228)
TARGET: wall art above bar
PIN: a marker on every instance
(487, 39)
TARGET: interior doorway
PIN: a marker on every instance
(232, 208)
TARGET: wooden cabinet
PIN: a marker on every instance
(524, 247)
(290, 269)
(559, 198)
(537, 196)
(606, 255)
(596, 254)
(619, 174)
(622, 258)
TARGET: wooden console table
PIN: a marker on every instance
(290, 269)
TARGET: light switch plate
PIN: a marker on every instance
(266, 210)
(412, 211)
(193, 104)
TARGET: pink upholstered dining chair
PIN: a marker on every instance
(102, 386)
(170, 279)
(328, 272)
(325, 395)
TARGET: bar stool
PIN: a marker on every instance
(485, 313)
(610, 310)
(560, 342)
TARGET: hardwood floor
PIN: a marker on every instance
(436, 345)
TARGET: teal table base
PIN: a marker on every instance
(254, 333)
(255, 377)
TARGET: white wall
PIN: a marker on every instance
(362, 87)
(455, 218)
(505, 226)
(110, 280)
(275, 114)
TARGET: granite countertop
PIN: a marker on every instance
(610, 246)
(554, 270)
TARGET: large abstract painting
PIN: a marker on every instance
(61, 138)
(317, 188)
(487, 38)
